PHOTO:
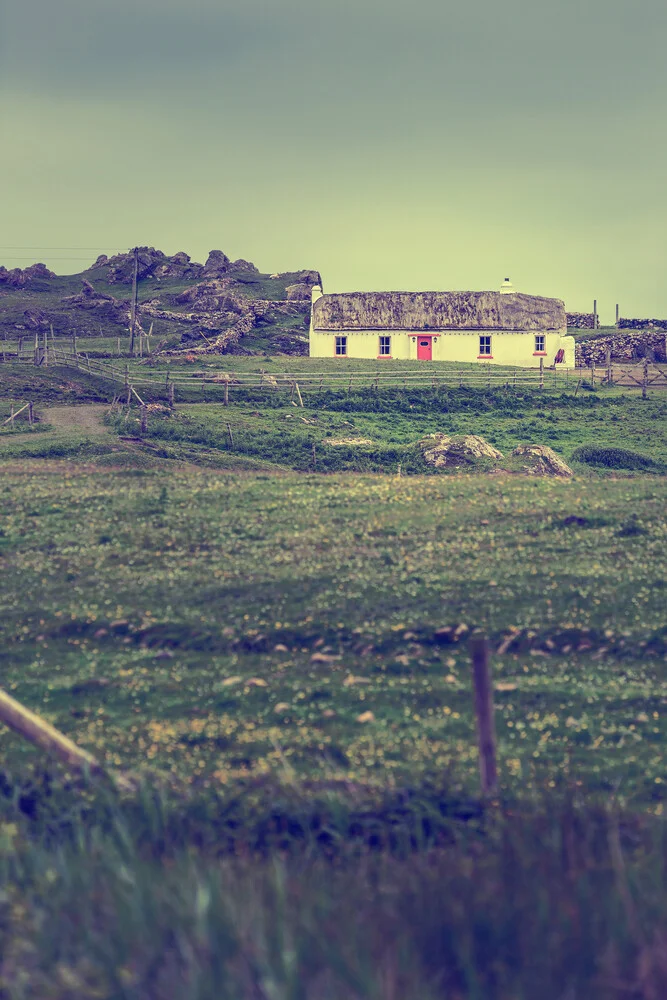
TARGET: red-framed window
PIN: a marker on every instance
(341, 346)
(485, 346)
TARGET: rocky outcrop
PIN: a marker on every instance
(217, 264)
(151, 263)
(222, 303)
(36, 319)
(443, 451)
(19, 278)
(540, 460)
(300, 292)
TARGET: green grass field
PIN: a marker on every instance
(293, 647)
(222, 624)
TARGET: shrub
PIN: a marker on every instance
(615, 458)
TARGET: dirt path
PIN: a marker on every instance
(88, 418)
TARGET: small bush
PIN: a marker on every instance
(615, 458)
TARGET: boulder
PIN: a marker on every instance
(540, 460)
(443, 451)
(17, 278)
(36, 319)
(217, 263)
(298, 292)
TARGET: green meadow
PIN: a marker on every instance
(250, 602)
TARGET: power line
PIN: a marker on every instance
(10, 257)
(56, 248)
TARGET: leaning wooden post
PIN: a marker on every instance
(644, 377)
(296, 386)
(486, 732)
(44, 735)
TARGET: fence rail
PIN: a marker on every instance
(644, 375)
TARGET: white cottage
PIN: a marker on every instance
(503, 327)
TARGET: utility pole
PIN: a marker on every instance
(133, 304)
(595, 314)
(617, 317)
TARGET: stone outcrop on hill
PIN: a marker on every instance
(18, 278)
(224, 301)
(442, 450)
(540, 460)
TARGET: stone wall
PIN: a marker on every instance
(631, 346)
(642, 324)
(581, 321)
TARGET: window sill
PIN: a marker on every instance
(485, 357)
(384, 357)
(539, 354)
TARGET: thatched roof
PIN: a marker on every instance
(437, 311)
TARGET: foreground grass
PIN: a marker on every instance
(226, 626)
(567, 901)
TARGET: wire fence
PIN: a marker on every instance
(643, 375)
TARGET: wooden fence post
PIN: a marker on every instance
(44, 735)
(644, 377)
(296, 386)
(541, 373)
(314, 459)
(31, 414)
(226, 397)
(171, 396)
(118, 346)
(608, 360)
(592, 374)
(144, 418)
(486, 733)
(231, 436)
(128, 401)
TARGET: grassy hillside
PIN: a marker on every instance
(32, 302)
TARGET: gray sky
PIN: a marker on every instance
(422, 146)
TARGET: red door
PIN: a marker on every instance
(424, 349)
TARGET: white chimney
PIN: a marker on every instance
(507, 287)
